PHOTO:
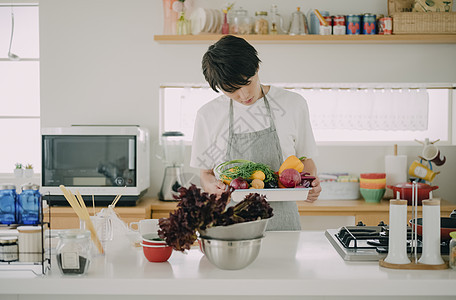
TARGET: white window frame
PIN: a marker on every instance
(36, 166)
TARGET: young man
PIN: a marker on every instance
(264, 124)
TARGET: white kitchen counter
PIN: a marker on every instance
(294, 264)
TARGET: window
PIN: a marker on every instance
(339, 114)
(19, 87)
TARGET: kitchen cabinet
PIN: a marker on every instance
(315, 39)
(290, 265)
(368, 213)
(63, 217)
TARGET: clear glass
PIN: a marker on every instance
(112, 160)
(73, 252)
(26, 31)
(8, 206)
(453, 253)
(183, 25)
(261, 23)
(173, 149)
(22, 138)
(276, 22)
(240, 23)
(28, 207)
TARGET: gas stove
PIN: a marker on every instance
(367, 243)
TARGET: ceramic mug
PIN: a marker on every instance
(432, 153)
(145, 226)
(421, 171)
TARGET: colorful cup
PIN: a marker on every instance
(421, 171)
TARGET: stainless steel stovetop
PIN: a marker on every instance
(362, 252)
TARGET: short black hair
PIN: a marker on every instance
(230, 63)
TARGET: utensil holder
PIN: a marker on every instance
(431, 233)
(397, 239)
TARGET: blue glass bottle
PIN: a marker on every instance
(28, 205)
(8, 198)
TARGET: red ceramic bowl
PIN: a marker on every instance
(155, 253)
(372, 175)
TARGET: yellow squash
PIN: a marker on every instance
(292, 162)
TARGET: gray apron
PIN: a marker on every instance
(264, 147)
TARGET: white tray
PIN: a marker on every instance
(297, 194)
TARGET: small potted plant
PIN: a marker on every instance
(18, 171)
(28, 172)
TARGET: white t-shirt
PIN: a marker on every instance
(291, 118)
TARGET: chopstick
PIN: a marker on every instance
(93, 204)
(78, 205)
(116, 199)
(320, 18)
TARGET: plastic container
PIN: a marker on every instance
(339, 191)
(28, 205)
(8, 198)
(73, 252)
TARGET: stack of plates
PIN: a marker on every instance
(204, 20)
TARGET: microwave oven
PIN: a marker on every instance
(97, 161)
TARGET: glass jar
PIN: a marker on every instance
(276, 23)
(29, 202)
(452, 262)
(73, 252)
(8, 248)
(8, 199)
(261, 22)
(240, 23)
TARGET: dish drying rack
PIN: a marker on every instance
(44, 265)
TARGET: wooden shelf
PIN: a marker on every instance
(314, 39)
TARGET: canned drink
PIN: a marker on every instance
(339, 25)
(329, 20)
(353, 24)
(369, 24)
(386, 25)
(339, 20)
(325, 30)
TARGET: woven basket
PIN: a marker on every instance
(424, 23)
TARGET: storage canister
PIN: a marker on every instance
(261, 22)
(28, 204)
(73, 252)
(8, 198)
(240, 23)
(8, 248)
(30, 244)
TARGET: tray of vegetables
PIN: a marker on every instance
(289, 183)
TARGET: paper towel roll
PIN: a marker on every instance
(396, 171)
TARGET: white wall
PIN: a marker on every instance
(101, 65)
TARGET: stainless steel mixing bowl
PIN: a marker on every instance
(231, 255)
(236, 232)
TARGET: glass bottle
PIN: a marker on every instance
(8, 199)
(276, 25)
(183, 25)
(452, 262)
(73, 252)
(261, 22)
(28, 204)
(240, 23)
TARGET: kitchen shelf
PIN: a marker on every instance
(314, 39)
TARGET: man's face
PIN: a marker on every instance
(247, 94)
